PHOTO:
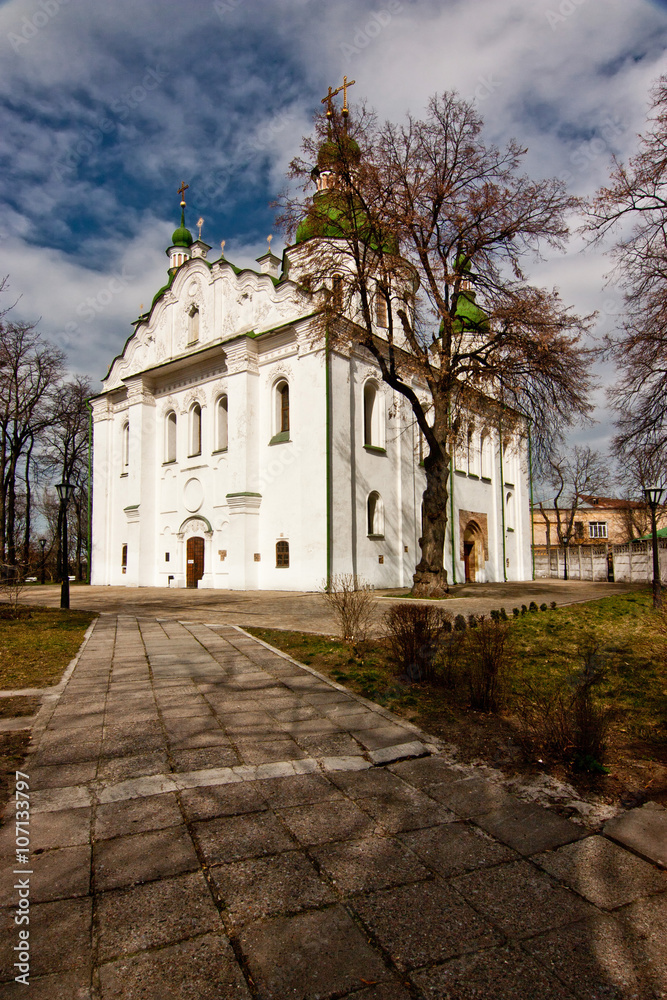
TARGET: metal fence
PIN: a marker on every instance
(632, 562)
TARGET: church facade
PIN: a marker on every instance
(233, 449)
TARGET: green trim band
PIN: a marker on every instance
(375, 448)
(229, 495)
(280, 438)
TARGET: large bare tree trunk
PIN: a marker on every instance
(430, 579)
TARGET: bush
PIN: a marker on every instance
(459, 624)
(532, 606)
(543, 607)
(503, 615)
(414, 633)
(553, 605)
(516, 612)
(524, 609)
(488, 653)
(571, 723)
(351, 602)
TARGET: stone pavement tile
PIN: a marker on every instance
(603, 872)
(222, 800)
(131, 745)
(59, 874)
(427, 771)
(133, 767)
(195, 760)
(73, 985)
(521, 899)
(643, 830)
(263, 887)
(118, 819)
(201, 740)
(297, 791)
(370, 864)
(310, 727)
(59, 938)
(231, 838)
(321, 822)
(373, 781)
(191, 726)
(65, 828)
(182, 711)
(644, 925)
(335, 745)
(143, 857)
(68, 720)
(529, 828)
(268, 751)
(500, 973)
(471, 797)
(397, 751)
(405, 809)
(317, 954)
(385, 991)
(455, 848)
(201, 969)
(55, 799)
(380, 736)
(424, 923)
(157, 913)
(592, 958)
(75, 753)
(62, 776)
(296, 713)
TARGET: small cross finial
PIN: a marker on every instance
(141, 309)
(328, 100)
(200, 223)
(268, 240)
(222, 247)
(182, 189)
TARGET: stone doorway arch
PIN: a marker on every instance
(473, 550)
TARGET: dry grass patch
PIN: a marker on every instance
(36, 647)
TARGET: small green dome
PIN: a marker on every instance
(331, 153)
(181, 237)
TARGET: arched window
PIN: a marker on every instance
(509, 468)
(461, 454)
(195, 430)
(487, 456)
(510, 513)
(221, 430)
(281, 421)
(373, 429)
(381, 314)
(193, 325)
(375, 515)
(473, 454)
(337, 292)
(125, 445)
(282, 554)
(170, 437)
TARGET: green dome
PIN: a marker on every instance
(469, 316)
(332, 152)
(181, 237)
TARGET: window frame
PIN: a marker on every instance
(281, 556)
(222, 435)
(601, 529)
(195, 430)
(170, 437)
(374, 515)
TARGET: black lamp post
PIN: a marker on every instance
(42, 577)
(65, 492)
(653, 497)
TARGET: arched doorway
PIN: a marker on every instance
(473, 550)
(194, 561)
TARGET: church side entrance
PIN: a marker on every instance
(195, 561)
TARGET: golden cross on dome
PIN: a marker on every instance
(328, 100)
(182, 189)
(268, 240)
(200, 223)
(222, 247)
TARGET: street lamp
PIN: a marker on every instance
(653, 497)
(42, 578)
(65, 493)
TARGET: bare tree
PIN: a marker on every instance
(417, 221)
(30, 370)
(573, 477)
(634, 204)
(65, 455)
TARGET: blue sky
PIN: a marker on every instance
(106, 107)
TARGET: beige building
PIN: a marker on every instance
(597, 520)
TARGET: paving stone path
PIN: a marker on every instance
(210, 819)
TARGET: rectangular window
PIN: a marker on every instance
(597, 529)
(123, 559)
(166, 557)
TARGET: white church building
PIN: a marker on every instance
(233, 449)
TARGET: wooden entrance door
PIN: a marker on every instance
(468, 557)
(195, 561)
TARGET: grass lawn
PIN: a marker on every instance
(35, 649)
(546, 652)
